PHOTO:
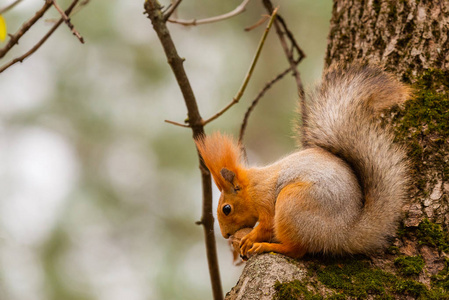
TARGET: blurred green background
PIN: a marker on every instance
(98, 196)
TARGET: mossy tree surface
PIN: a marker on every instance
(409, 38)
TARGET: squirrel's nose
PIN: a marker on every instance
(225, 233)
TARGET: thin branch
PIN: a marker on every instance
(9, 7)
(79, 7)
(262, 92)
(292, 39)
(250, 71)
(41, 42)
(290, 55)
(238, 10)
(67, 21)
(290, 58)
(58, 8)
(177, 124)
(258, 23)
(14, 40)
(171, 10)
(153, 9)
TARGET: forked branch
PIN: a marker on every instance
(67, 21)
(14, 40)
(248, 74)
(171, 9)
(282, 31)
(262, 92)
(42, 41)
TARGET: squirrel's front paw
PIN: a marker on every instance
(245, 244)
(257, 248)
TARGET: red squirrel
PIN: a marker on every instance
(341, 193)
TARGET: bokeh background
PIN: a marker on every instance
(98, 196)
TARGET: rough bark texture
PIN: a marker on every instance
(410, 39)
(406, 37)
(261, 273)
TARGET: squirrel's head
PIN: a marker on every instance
(234, 211)
(222, 156)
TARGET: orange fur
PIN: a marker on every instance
(220, 151)
(311, 200)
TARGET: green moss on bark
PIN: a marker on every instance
(424, 126)
(292, 290)
(426, 233)
(432, 234)
(409, 265)
(356, 278)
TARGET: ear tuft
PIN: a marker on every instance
(222, 156)
(228, 175)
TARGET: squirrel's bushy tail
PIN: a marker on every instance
(340, 119)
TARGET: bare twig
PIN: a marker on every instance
(41, 42)
(171, 10)
(292, 39)
(238, 10)
(290, 58)
(177, 124)
(262, 92)
(248, 75)
(153, 9)
(258, 23)
(67, 21)
(59, 9)
(290, 55)
(79, 7)
(27, 25)
(10, 6)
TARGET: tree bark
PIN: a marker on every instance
(409, 39)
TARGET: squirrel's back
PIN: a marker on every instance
(341, 120)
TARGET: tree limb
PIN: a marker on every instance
(153, 10)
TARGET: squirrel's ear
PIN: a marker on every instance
(229, 176)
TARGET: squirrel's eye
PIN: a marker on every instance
(227, 209)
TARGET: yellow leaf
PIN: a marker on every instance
(3, 31)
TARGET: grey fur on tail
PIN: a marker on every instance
(341, 119)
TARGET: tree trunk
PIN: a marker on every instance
(409, 39)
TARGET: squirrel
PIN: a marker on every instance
(341, 193)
